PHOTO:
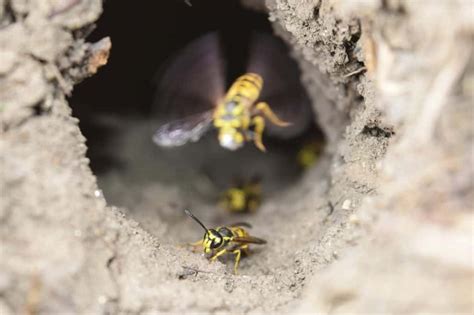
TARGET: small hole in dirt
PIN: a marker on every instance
(118, 115)
(316, 12)
(375, 131)
(38, 109)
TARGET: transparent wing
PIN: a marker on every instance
(193, 81)
(249, 240)
(282, 88)
(182, 131)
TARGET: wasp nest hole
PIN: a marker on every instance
(92, 211)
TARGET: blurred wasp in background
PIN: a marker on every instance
(193, 86)
(309, 153)
(227, 239)
(244, 196)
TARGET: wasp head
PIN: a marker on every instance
(212, 240)
(230, 138)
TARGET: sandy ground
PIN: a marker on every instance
(382, 224)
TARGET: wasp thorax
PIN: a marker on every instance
(225, 232)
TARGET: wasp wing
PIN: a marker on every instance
(282, 88)
(249, 240)
(193, 81)
(181, 131)
(244, 224)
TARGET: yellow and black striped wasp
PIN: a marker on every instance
(244, 196)
(269, 90)
(309, 153)
(226, 239)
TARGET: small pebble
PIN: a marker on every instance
(346, 205)
(102, 299)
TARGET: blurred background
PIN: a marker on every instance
(119, 112)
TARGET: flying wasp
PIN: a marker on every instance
(227, 239)
(195, 82)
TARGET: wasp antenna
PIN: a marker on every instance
(195, 219)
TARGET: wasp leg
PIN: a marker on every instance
(194, 245)
(219, 253)
(237, 253)
(198, 243)
(267, 112)
(245, 251)
(259, 124)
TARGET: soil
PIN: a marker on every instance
(381, 224)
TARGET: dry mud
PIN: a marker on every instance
(382, 224)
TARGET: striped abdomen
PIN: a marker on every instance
(246, 89)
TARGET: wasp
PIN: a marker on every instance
(194, 82)
(227, 239)
(243, 197)
(309, 153)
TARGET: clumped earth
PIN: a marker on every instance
(383, 222)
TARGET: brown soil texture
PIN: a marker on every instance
(382, 224)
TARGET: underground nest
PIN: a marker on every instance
(65, 249)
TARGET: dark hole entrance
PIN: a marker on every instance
(118, 116)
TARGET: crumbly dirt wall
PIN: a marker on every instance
(383, 223)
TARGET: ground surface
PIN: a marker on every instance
(383, 223)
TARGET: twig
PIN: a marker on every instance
(196, 270)
(33, 297)
(63, 84)
(190, 271)
(439, 92)
(355, 72)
